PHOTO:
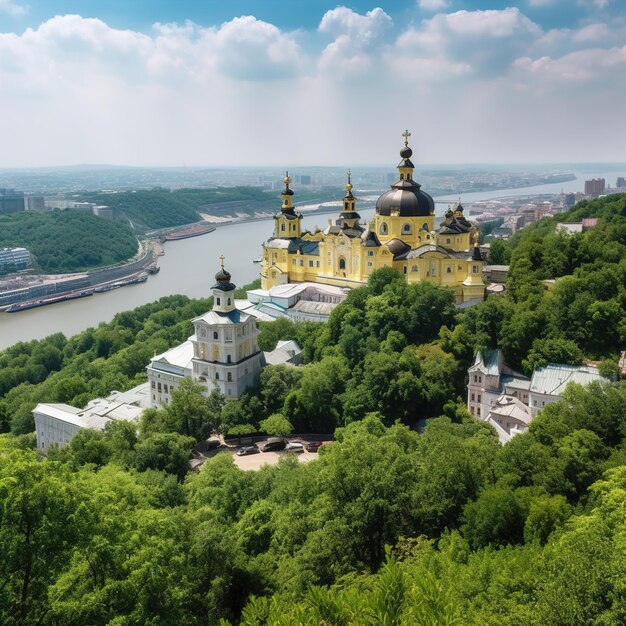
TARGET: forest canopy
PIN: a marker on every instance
(68, 241)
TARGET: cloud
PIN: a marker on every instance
(12, 8)
(433, 5)
(356, 38)
(485, 41)
(582, 65)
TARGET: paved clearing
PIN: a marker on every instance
(256, 461)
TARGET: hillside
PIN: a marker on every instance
(162, 208)
(68, 241)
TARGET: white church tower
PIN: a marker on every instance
(225, 350)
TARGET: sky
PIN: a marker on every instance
(309, 82)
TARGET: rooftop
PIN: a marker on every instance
(552, 379)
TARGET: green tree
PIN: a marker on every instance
(276, 425)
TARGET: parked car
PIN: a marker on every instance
(273, 443)
(294, 446)
(246, 450)
(213, 443)
(313, 446)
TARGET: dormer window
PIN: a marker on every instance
(218, 302)
(406, 229)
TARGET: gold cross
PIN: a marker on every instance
(349, 175)
(406, 134)
(222, 260)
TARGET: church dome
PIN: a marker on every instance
(405, 199)
(223, 280)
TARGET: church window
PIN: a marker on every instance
(473, 397)
(152, 384)
(228, 358)
(273, 276)
(215, 335)
(369, 264)
(433, 270)
(342, 263)
(427, 236)
(406, 229)
(448, 240)
(414, 268)
(229, 377)
(293, 261)
(401, 176)
(370, 253)
(474, 269)
(218, 302)
(301, 262)
(449, 270)
(159, 387)
(228, 301)
(460, 267)
(310, 263)
(217, 375)
(318, 263)
(383, 228)
(404, 269)
(478, 411)
(282, 227)
(425, 226)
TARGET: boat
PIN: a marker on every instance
(109, 287)
(191, 231)
(32, 304)
(141, 278)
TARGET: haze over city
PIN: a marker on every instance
(283, 84)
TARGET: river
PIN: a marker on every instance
(189, 265)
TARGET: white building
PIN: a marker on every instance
(223, 351)
(167, 370)
(489, 378)
(300, 301)
(548, 383)
(56, 424)
(509, 400)
(509, 416)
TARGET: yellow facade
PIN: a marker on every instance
(401, 235)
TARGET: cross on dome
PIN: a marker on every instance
(406, 134)
(222, 257)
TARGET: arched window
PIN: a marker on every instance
(228, 358)
(215, 335)
(342, 263)
(383, 228)
(425, 226)
(282, 227)
(218, 302)
(449, 270)
(229, 377)
(217, 375)
(228, 301)
(448, 240)
(414, 268)
(406, 229)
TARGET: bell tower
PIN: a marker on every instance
(287, 222)
(348, 218)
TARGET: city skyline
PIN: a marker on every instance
(255, 83)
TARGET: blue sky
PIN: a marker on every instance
(311, 82)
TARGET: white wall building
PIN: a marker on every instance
(223, 351)
(167, 370)
(548, 383)
(509, 400)
(56, 424)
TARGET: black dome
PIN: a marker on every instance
(405, 199)
(406, 153)
(222, 276)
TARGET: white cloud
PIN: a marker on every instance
(76, 90)
(356, 38)
(12, 8)
(433, 5)
(576, 66)
(487, 41)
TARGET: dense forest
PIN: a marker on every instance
(68, 241)
(162, 208)
(388, 526)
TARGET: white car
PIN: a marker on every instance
(294, 446)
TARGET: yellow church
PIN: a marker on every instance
(401, 235)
